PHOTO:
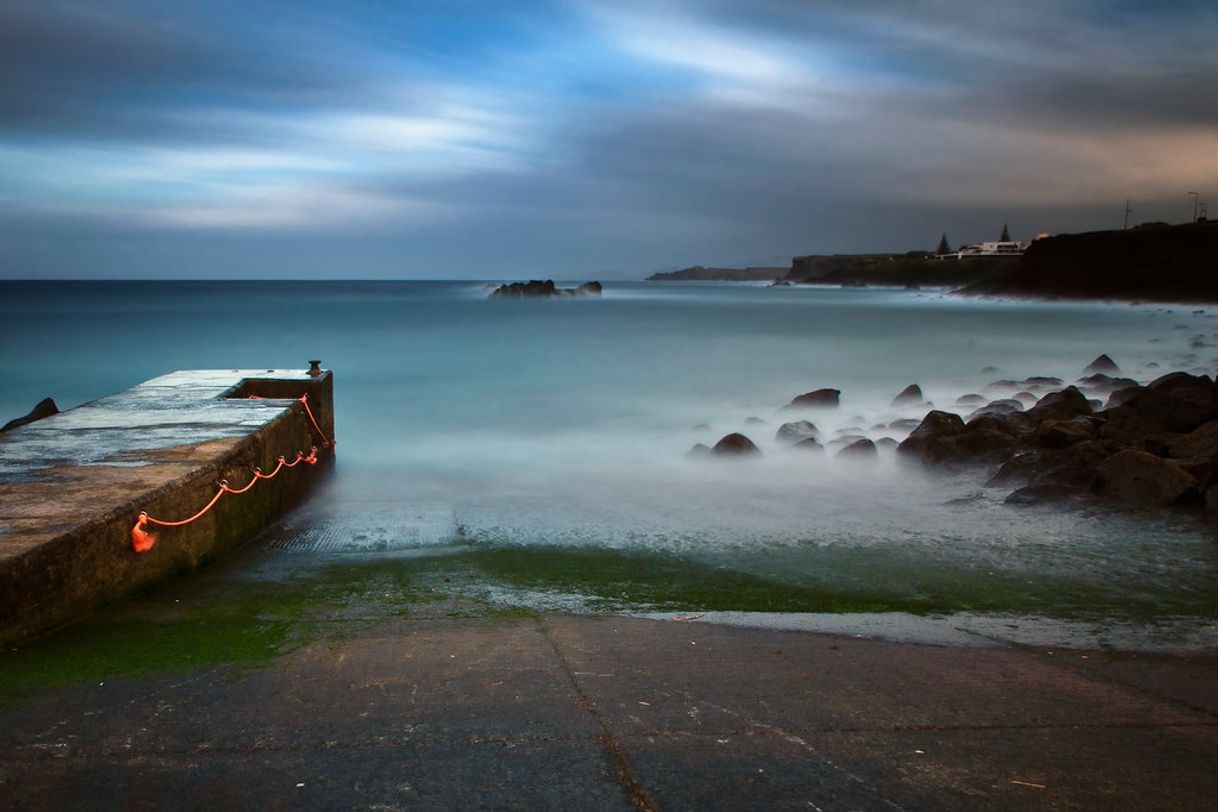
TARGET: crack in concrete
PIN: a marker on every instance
(613, 747)
(802, 743)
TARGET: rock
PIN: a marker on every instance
(698, 450)
(999, 387)
(1076, 466)
(1174, 381)
(809, 444)
(754, 421)
(1120, 396)
(1144, 480)
(735, 444)
(1001, 406)
(1201, 442)
(795, 431)
(886, 443)
(970, 400)
(537, 288)
(700, 427)
(905, 424)
(860, 449)
(45, 408)
(1026, 398)
(1211, 499)
(1104, 384)
(909, 395)
(1063, 405)
(817, 399)
(989, 371)
(1013, 424)
(1176, 404)
(979, 446)
(935, 425)
(912, 286)
(1063, 433)
(1043, 492)
(1103, 364)
(1043, 380)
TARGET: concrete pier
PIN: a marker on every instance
(73, 485)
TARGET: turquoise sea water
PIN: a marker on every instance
(544, 440)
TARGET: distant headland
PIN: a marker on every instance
(1153, 261)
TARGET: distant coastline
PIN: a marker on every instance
(1154, 262)
(699, 273)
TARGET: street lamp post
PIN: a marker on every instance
(1196, 197)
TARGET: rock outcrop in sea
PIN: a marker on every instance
(45, 408)
(536, 289)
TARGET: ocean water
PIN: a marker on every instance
(550, 437)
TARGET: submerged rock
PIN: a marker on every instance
(699, 450)
(1043, 492)
(735, 444)
(1042, 380)
(817, 399)
(970, 400)
(45, 408)
(1103, 364)
(809, 444)
(934, 426)
(909, 395)
(860, 449)
(795, 431)
(1063, 405)
(1000, 406)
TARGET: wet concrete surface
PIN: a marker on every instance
(73, 485)
(607, 712)
(63, 470)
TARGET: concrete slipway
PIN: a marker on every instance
(72, 485)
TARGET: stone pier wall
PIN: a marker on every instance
(65, 523)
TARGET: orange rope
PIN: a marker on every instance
(325, 440)
(143, 539)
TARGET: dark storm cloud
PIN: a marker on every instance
(282, 137)
(121, 70)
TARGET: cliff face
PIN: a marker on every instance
(896, 269)
(1172, 263)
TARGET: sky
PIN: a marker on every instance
(580, 139)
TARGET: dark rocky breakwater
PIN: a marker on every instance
(1104, 439)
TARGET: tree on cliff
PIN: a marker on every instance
(1006, 235)
(943, 248)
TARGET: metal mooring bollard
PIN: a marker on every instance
(315, 368)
